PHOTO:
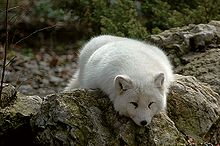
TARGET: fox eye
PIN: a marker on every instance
(134, 104)
(149, 105)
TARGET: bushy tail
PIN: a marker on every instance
(74, 82)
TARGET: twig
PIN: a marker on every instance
(5, 49)
(49, 27)
(2, 11)
(10, 61)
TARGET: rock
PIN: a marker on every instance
(25, 89)
(163, 131)
(15, 119)
(8, 95)
(86, 117)
(68, 115)
(193, 107)
(55, 80)
(180, 41)
(25, 105)
(213, 135)
(217, 26)
(204, 66)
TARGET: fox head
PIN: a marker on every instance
(139, 101)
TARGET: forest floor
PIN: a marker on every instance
(40, 73)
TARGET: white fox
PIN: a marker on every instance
(135, 75)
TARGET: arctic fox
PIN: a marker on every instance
(135, 75)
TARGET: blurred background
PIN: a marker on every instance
(68, 23)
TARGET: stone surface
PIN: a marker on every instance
(164, 132)
(8, 95)
(204, 66)
(88, 118)
(193, 106)
(15, 118)
(213, 135)
(192, 38)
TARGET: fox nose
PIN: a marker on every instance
(143, 123)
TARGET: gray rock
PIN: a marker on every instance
(193, 107)
(180, 41)
(217, 26)
(204, 66)
(163, 132)
(15, 118)
(87, 118)
(55, 80)
(8, 95)
(25, 89)
(213, 135)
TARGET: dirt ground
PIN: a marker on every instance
(41, 73)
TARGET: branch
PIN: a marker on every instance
(49, 27)
(10, 61)
(5, 49)
(3, 11)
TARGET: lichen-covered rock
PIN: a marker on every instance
(180, 41)
(217, 26)
(86, 117)
(213, 135)
(162, 131)
(193, 106)
(15, 118)
(204, 66)
(8, 95)
(72, 119)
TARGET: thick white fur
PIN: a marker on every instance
(129, 72)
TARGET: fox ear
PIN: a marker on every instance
(122, 83)
(159, 80)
